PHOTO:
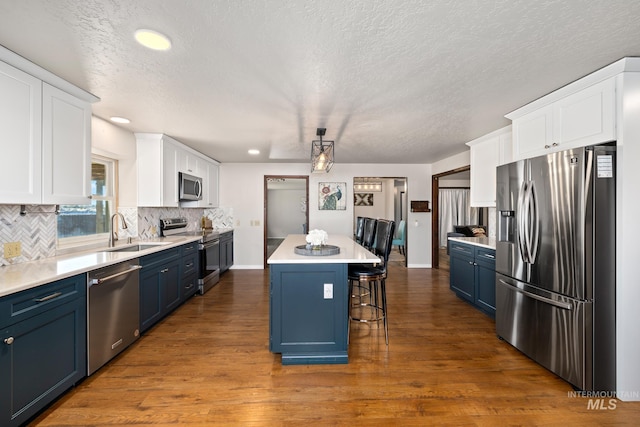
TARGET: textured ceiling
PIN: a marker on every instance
(392, 81)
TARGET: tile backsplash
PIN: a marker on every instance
(37, 230)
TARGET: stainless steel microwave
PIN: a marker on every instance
(190, 187)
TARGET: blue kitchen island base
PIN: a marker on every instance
(309, 317)
(335, 358)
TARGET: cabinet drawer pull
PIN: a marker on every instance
(8, 341)
(48, 297)
(490, 256)
(189, 265)
(164, 270)
(189, 286)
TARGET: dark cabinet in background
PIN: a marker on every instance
(226, 251)
(473, 275)
(43, 346)
(190, 266)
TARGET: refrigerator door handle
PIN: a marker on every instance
(527, 221)
(587, 179)
(535, 231)
(521, 221)
(563, 305)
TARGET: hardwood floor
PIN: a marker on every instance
(209, 363)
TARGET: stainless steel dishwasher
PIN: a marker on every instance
(113, 313)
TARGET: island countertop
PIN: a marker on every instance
(350, 252)
(485, 242)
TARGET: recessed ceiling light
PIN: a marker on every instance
(254, 151)
(152, 39)
(123, 120)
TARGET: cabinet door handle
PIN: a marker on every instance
(189, 286)
(189, 265)
(164, 270)
(555, 144)
(48, 297)
(471, 262)
(547, 146)
(8, 341)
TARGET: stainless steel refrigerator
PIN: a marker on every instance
(555, 263)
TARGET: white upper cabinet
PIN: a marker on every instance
(157, 161)
(20, 136)
(169, 177)
(45, 136)
(66, 148)
(487, 153)
(210, 197)
(586, 117)
(160, 159)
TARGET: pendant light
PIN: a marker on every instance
(321, 153)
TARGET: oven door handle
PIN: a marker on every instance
(205, 246)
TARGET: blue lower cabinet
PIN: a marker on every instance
(190, 267)
(472, 275)
(485, 261)
(304, 326)
(160, 286)
(462, 271)
(44, 353)
(189, 286)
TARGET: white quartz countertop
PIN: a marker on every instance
(350, 252)
(27, 275)
(485, 242)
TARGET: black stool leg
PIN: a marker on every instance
(383, 290)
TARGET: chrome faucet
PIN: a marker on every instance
(113, 236)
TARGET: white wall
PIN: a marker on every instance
(628, 250)
(111, 141)
(286, 216)
(242, 188)
(451, 163)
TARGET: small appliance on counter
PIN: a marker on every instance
(208, 248)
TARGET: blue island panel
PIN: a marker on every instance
(306, 327)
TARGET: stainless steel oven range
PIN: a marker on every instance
(208, 248)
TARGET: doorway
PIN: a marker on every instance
(383, 197)
(461, 174)
(286, 200)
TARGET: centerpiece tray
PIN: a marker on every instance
(323, 250)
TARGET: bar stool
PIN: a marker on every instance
(375, 277)
(369, 235)
(359, 233)
(368, 239)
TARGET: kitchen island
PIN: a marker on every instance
(309, 301)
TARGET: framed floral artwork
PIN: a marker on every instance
(332, 196)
